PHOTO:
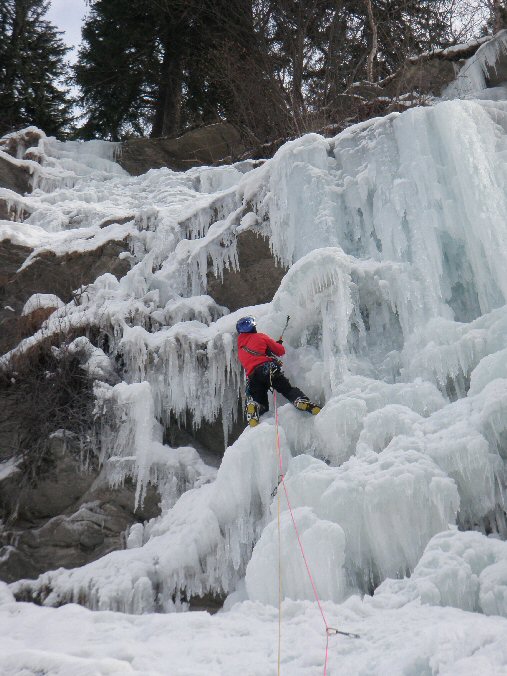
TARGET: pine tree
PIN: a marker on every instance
(118, 68)
(138, 67)
(234, 72)
(151, 67)
(32, 69)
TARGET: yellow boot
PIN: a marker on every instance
(252, 413)
(304, 404)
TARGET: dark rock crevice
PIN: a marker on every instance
(257, 279)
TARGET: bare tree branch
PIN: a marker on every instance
(374, 41)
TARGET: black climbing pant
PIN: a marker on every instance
(266, 376)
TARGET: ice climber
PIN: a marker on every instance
(258, 353)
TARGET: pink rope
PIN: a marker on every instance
(282, 479)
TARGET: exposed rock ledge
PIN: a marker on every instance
(69, 519)
(14, 176)
(48, 273)
(205, 145)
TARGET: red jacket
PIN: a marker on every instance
(257, 342)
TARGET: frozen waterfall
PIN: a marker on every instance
(395, 240)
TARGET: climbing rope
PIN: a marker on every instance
(330, 631)
(280, 595)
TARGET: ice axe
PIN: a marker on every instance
(286, 324)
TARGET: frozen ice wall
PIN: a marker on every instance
(394, 237)
(475, 74)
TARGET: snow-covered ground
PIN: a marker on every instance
(395, 241)
(415, 640)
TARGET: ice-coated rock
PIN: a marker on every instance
(464, 570)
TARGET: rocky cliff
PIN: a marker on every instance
(58, 509)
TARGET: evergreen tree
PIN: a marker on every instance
(118, 68)
(32, 69)
(235, 70)
(157, 66)
(138, 67)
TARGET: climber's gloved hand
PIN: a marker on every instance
(280, 340)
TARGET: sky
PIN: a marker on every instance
(67, 16)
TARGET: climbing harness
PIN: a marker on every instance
(253, 352)
(330, 631)
(273, 359)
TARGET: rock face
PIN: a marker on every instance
(431, 73)
(61, 275)
(70, 515)
(47, 273)
(256, 282)
(13, 176)
(68, 519)
(425, 76)
(209, 438)
(206, 145)
(496, 69)
(16, 144)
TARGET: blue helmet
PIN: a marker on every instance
(246, 325)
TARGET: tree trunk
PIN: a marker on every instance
(498, 15)
(167, 117)
(298, 57)
(337, 32)
(374, 42)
